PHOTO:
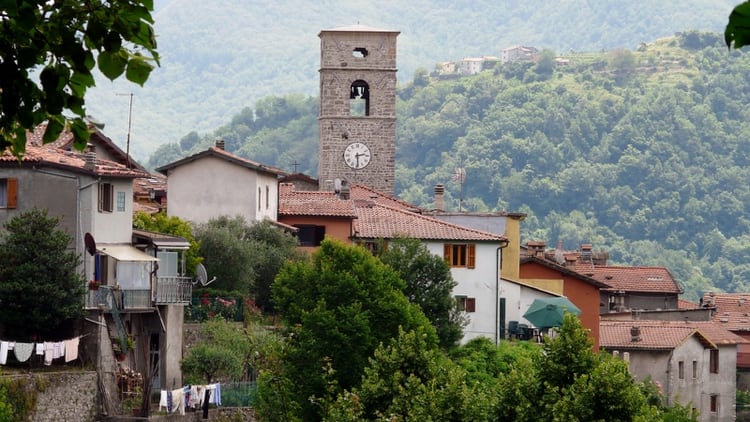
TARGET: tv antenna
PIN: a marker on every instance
(130, 115)
(459, 175)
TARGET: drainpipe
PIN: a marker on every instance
(498, 262)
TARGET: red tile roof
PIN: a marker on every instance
(376, 221)
(313, 203)
(632, 279)
(227, 156)
(69, 160)
(732, 309)
(663, 335)
(375, 214)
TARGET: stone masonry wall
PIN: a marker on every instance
(64, 396)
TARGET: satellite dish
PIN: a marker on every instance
(202, 276)
(90, 243)
(95, 122)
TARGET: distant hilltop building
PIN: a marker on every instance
(519, 53)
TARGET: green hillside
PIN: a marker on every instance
(219, 57)
(645, 154)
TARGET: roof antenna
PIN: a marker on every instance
(130, 115)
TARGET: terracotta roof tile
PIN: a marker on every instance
(376, 215)
(663, 335)
(375, 221)
(313, 203)
(225, 155)
(633, 279)
(70, 160)
(732, 309)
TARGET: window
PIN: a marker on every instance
(310, 235)
(268, 201)
(681, 369)
(466, 304)
(106, 197)
(459, 255)
(359, 99)
(714, 403)
(714, 361)
(8, 193)
(259, 198)
(121, 201)
(695, 369)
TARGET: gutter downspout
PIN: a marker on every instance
(498, 263)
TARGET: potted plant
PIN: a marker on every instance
(94, 284)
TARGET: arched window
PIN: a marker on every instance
(359, 99)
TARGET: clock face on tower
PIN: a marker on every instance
(357, 155)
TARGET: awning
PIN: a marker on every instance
(125, 253)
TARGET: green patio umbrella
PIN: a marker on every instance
(548, 312)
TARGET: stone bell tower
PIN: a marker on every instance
(357, 121)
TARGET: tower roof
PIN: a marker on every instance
(358, 28)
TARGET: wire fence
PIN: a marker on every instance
(238, 394)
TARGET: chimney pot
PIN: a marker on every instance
(220, 144)
(439, 197)
(635, 333)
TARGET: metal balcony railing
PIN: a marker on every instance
(169, 291)
(173, 290)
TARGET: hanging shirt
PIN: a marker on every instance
(23, 351)
(71, 349)
(3, 352)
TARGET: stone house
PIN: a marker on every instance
(692, 362)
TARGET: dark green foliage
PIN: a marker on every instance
(66, 41)
(429, 284)
(41, 288)
(340, 306)
(737, 32)
(244, 257)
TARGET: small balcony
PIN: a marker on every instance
(169, 291)
(173, 290)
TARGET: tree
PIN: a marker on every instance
(41, 288)
(408, 379)
(429, 284)
(339, 306)
(737, 32)
(221, 352)
(227, 254)
(175, 226)
(66, 40)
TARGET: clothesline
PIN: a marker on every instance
(51, 350)
(192, 396)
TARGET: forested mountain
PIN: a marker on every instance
(218, 57)
(645, 154)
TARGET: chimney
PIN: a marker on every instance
(439, 202)
(220, 144)
(344, 194)
(635, 333)
(90, 157)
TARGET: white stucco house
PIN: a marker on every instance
(215, 182)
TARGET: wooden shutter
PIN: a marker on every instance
(471, 251)
(447, 254)
(12, 199)
(471, 304)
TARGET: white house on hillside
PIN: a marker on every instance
(215, 182)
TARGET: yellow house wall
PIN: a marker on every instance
(550, 285)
